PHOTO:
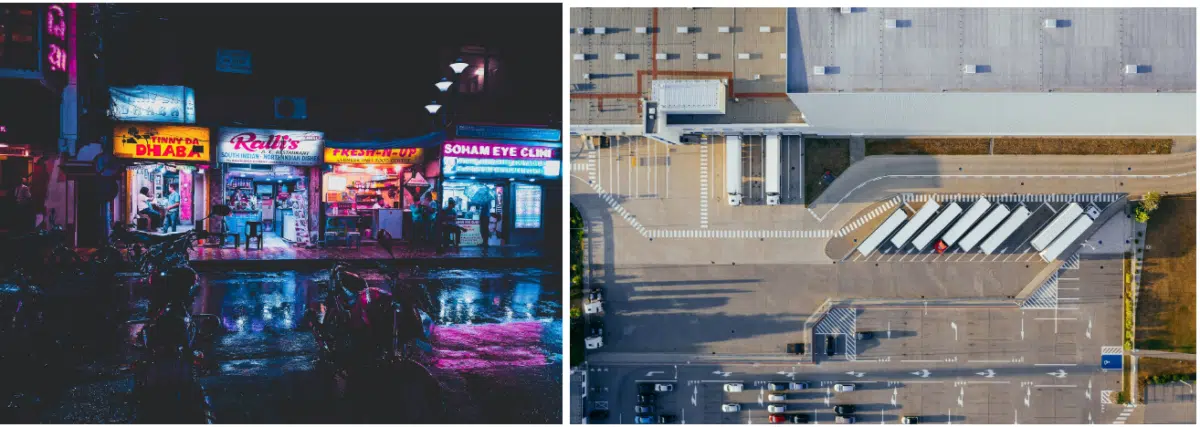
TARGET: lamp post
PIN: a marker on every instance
(443, 86)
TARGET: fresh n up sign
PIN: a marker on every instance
(152, 142)
(377, 156)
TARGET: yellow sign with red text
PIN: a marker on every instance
(154, 142)
(374, 156)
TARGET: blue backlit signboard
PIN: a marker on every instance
(528, 204)
(156, 104)
(507, 132)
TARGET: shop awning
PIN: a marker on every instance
(428, 141)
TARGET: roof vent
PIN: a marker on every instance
(701, 56)
(660, 56)
(764, 29)
(601, 30)
(1050, 23)
(619, 56)
(682, 30)
(641, 30)
(743, 56)
(580, 57)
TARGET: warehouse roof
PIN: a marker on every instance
(991, 50)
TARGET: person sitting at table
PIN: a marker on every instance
(448, 227)
(145, 200)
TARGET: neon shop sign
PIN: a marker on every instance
(56, 30)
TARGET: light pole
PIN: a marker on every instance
(443, 86)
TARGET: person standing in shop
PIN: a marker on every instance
(172, 208)
(485, 218)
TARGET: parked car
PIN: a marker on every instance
(731, 407)
(776, 409)
(733, 387)
(843, 409)
(777, 387)
(866, 335)
(911, 419)
(598, 415)
(776, 419)
(776, 397)
(642, 410)
(596, 294)
(799, 419)
(829, 340)
(796, 348)
(645, 399)
(798, 385)
(843, 387)
(644, 419)
(664, 387)
(845, 420)
(666, 419)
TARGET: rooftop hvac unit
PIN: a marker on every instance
(579, 57)
(581, 30)
(783, 55)
(970, 68)
(723, 29)
(660, 56)
(701, 56)
(889, 23)
(1131, 69)
(757, 77)
(818, 71)
(743, 56)
(619, 56)
(846, 10)
(681, 30)
(1050, 23)
(764, 29)
(601, 30)
(641, 30)
(587, 76)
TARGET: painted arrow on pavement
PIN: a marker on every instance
(986, 374)
(924, 373)
(856, 374)
(651, 373)
(1058, 374)
(722, 373)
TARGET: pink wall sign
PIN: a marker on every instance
(185, 196)
(488, 150)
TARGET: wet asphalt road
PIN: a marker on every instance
(497, 350)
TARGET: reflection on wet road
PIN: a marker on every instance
(497, 346)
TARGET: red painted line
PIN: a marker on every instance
(653, 49)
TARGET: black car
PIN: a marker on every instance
(799, 419)
(666, 419)
(829, 340)
(598, 415)
(843, 409)
(797, 348)
(643, 410)
(597, 328)
(645, 399)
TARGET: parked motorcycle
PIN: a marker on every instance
(373, 346)
(24, 347)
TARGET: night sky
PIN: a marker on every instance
(361, 65)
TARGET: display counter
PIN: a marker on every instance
(238, 219)
(285, 223)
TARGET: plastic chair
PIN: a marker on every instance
(353, 239)
(254, 231)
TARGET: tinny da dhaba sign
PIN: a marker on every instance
(151, 142)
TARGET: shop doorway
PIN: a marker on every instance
(273, 197)
(165, 198)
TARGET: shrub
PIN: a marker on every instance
(1140, 214)
(1150, 201)
(1122, 398)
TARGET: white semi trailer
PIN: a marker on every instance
(733, 169)
(772, 170)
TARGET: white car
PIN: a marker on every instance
(776, 409)
(733, 387)
(731, 407)
(843, 387)
(664, 387)
(798, 386)
(776, 397)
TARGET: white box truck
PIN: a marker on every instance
(772, 170)
(733, 169)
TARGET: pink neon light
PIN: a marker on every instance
(487, 150)
(489, 346)
(57, 58)
(3, 129)
(56, 23)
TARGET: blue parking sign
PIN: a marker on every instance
(1111, 361)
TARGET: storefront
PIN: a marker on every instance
(167, 163)
(270, 179)
(368, 190)
(500, 187)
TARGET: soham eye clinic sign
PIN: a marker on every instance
(270, 147)
(502, 160)
(162, 142)
(375, 156)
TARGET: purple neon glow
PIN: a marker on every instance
(491, 150)
(475, 347)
